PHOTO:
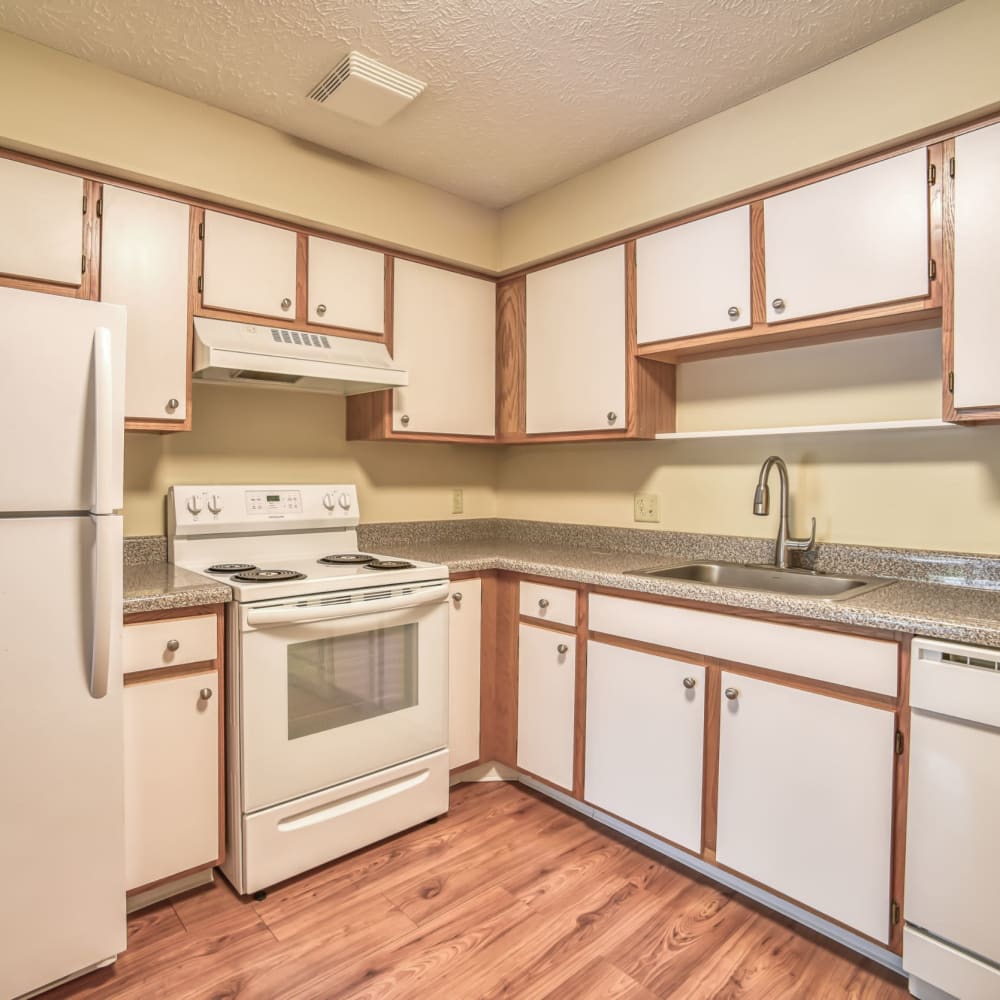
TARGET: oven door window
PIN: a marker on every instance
(341, 680)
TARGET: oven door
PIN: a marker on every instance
(339, 687)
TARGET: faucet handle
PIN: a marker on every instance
(804, 544)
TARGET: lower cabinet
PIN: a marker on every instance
(171, 776)
(464, 641)
(805, 798)
(546, 694)
(645, 740)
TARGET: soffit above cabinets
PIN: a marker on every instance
(519, 96)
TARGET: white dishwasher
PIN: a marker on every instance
(951, 941)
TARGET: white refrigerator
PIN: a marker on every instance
(62, 870)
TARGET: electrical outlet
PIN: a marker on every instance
(647, 507)
(457, 502)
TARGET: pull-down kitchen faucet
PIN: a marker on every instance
(762, 506)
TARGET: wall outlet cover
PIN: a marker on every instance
(647, 507)
(457, 502)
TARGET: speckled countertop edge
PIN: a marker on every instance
(161, 586)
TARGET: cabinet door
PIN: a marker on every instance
(977, 250)
(249, 267)
(444, 331)
(346, 286)
(546, 685)
(576, 345)
(144, 267)
(645, 740)
(855, 240)
(171, 776)
(463, 671)
(42, 232)
(694, 278)
(805, 798)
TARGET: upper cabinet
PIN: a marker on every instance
(970, 320)
(346, 286)
(144, 266)
(44, 213)
(248, 267)
(576, 346)
(695, 278)
(852, 241)
(444, 326)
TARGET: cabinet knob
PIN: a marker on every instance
(205, 694)
(173, 645)
(562, 649)
(404, 419)
(457, 597)
(734, 312)
(612, 416)
(732, 693)
(689, 682)
(172, 404)
(321, 310)
(286, 304)
(778, 305)
(543, 602)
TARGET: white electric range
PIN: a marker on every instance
(336, 675)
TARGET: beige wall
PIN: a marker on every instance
(57, 106)
(941, 69)
(250, 435)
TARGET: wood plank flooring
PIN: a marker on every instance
(509, 895)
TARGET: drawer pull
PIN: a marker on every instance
(205, 694)
(732, 693)
(173, 645)
(562, 649)
(689, 683)
(543, 602)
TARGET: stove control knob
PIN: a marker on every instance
(345, 501)
(194, 506)
(328, 501)
(214, 504)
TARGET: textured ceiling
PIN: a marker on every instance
(520, 94)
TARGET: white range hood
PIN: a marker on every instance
(247, 354)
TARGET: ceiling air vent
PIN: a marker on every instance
(365, 91)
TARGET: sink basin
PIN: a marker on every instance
(795, 582)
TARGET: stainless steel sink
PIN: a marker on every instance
(795, 582)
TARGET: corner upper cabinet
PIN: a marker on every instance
(576, 345)
(248, 267)
(43, 211)
(444, 327)
(970, 313)
(346, 286)
(144, 266)
(853, 241)
(694, 278)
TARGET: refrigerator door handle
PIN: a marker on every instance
(104, 610)
(104, 430)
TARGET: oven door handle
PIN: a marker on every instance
(298, 615)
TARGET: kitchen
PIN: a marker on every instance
(593, 731)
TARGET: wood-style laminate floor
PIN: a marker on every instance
(509, 895)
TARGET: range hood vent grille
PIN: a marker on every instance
(365, 90)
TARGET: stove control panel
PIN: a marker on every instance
(270, 503)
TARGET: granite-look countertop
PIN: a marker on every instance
(961, 614)
(159, 586)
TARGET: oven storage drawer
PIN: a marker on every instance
(171, 642)
(290, 838)
(946, 968)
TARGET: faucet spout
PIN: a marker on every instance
(762, 506)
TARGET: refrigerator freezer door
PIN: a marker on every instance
(62, 908)
(62, 388)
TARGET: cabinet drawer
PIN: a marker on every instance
(150, 645)
(551, 604)
(852, 661)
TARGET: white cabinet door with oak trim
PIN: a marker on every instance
(977, 250)
(854, 240)
(575, 351)
(444, 332)
(546, 686)
(171, 776)
(464, 635)
(249, 267)
(645, 740)
(694, 278)
(346, 286)
(144, 267)
(805, 798)
(42, 233)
